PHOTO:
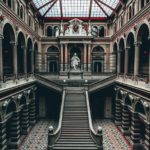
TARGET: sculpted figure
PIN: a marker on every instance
(75, 62)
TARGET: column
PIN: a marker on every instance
(3, 139)
(137, 58)
(85, 57)
(135, 130)
(32, 113)
(126, 60)
(147, 136)
(61, 59)
(25, 119)
(118, 112)
(125, 120)
(14, 131)
(1, 59)
(66, 57)
(89, 58)
(15, 65)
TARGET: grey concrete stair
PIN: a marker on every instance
(75, 134)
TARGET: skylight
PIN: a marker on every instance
(75, 8)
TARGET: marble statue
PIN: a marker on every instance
(75, 62)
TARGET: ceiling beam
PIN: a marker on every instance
(108, 6)
(50, 8)
(61, 10)
(101, 8)
(44, 5)
(90, 8)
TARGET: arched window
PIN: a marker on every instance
(21, 12)
(101, 31)
(18, 8)
(9, 3)
(49, 31)
(142, 3)
(29, 21)
(130, 12)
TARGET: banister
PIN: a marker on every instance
(96, 136)
(54, 135)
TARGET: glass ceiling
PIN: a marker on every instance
(75, 8)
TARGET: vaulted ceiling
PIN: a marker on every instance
(87, 9)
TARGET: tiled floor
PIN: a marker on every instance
(112, 138)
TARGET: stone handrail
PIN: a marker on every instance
(49, 83)
(54, 135)
(96, 136)
(97, 84)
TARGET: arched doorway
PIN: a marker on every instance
(131, 53)
(29, 56)
(20, 52)
(35, 57)
(98, 59)
(53, 60)
(7, 52)
(143, 39)
(115, 57)
(122, 55)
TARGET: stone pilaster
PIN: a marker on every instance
(85, 57)
(1, 59)
(66, 57)
(118, 113)
(3, 137)
(14, 131)
(25, 120)
(126, 60)
(32, 113)
(135, 131)
(61, 59)
(15, 65)
(125, 120)
(89, 58)
(137, 58)
(147, 137)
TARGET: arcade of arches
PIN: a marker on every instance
(36, 50)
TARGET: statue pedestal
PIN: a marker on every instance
(75, 74)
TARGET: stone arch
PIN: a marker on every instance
(11, 107)
(140, 108)
(98, 59)
(130, 47)
(143, 34)
(128, 101)
(29, 55)
(20, 52)
(23, 100)
(122, 54)
(7, 48)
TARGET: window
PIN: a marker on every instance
(142, 4)
(9, 3)
(101, 31)
(18, 9)
(49, 31)
(130, 12)
(21, 12)
(29, 21)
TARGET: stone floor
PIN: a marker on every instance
(112, 138)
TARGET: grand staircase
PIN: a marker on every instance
(75, 132)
